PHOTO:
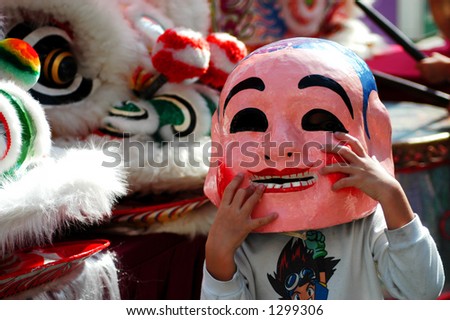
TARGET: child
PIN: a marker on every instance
(435, 69)
(304, 144)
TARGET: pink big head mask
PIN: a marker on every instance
(279, 106)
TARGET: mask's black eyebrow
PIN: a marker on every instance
(250, 83)
(317, 80)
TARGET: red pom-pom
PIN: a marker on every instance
(181, 54)
(226, 52)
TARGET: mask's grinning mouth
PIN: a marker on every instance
(293, 182)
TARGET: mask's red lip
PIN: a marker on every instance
(286, 180)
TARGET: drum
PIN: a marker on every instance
(421, 150)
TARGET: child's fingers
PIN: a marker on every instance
(337, 168)
(241, 196)
(343, 183)
(343, 151)
(231, 188)
(354, 143)
(260, 222)
(253, 199)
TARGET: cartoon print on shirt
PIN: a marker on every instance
(303, 270)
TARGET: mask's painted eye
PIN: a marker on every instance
(60, 82)
(249, 119)
(322, 120)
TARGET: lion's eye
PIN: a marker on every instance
(59, 82)
(59, 68)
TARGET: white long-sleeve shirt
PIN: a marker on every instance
(357, 260)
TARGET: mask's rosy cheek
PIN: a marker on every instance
(224, 177)
(331, 158)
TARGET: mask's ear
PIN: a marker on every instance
(380, 142)
(215, 160)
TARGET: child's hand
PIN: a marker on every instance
(435, 69)
(368, 175)
(232, 225)
(363, 172)
(233, 219)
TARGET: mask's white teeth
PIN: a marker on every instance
(287, 185)
(292, 176)
(296, 184)
(312, 178)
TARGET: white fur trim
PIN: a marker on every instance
(80, 119)
(95, 279)
(42, 141)
(75, 189)
(152, 168)
(15, 131)
(144, 126)
(209, 92)
(193, 94)
(141, 14)
(219, 53)
(154, 179)
(193, 14)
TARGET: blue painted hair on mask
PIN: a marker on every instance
(362, 70)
